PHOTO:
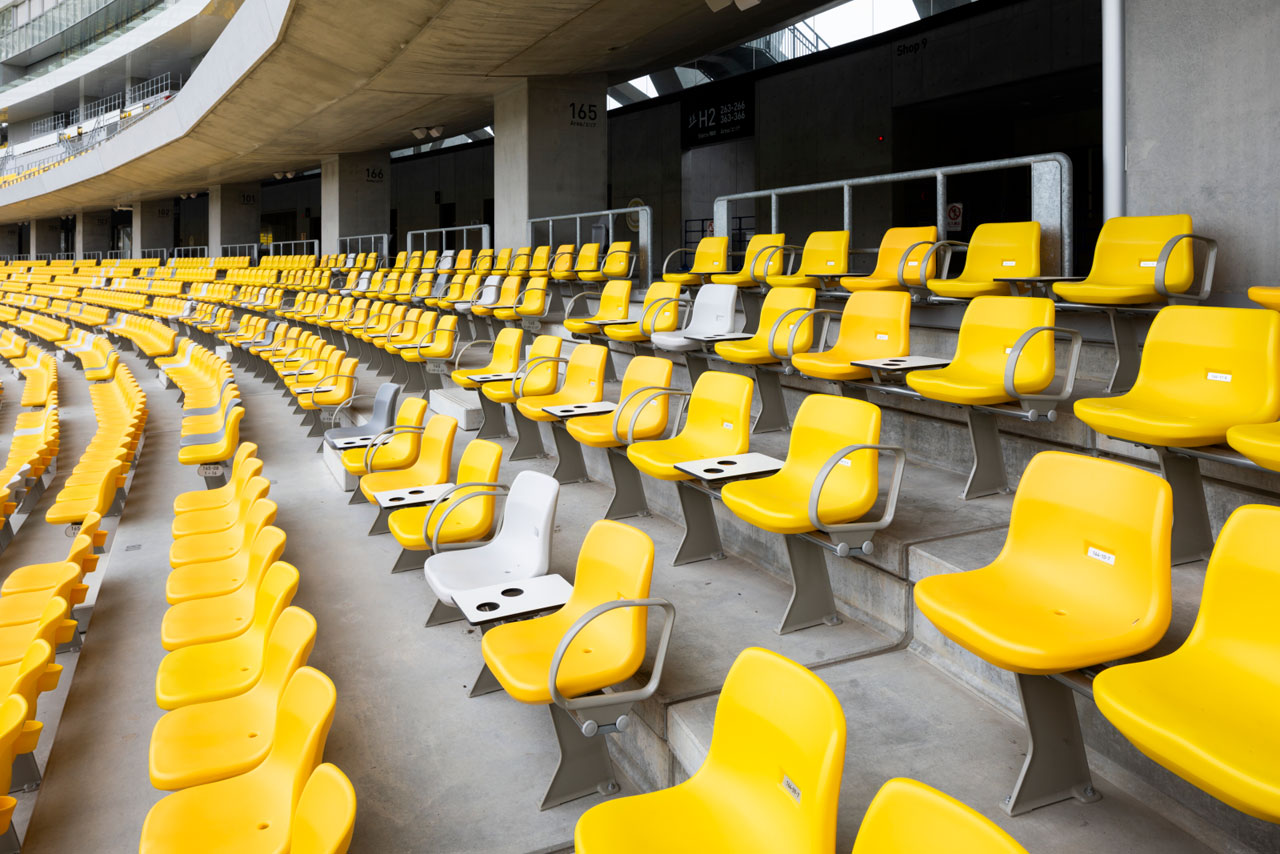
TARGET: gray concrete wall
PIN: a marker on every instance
(355, 196)
(1202, 124)
(46, 236)
(644, 163)
(93, 232)
(301, 197)
(235, 215)
(152, 225)
(10, 238)
(463, 177)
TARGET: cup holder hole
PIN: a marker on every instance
(396, 498)
(415, 492)
(726, 462)
(487, 606)
(512, 592)
(711, 470)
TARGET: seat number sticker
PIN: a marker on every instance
(791, 788)
(847, 463)
(210, 470)
(880, 336)
(1009, 263)
(1219, 378)
(728, 425)
(1146, 263)
(1098, 554)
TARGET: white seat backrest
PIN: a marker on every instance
(490, 290)
(445, 261)
(528, 516)
(714, 310)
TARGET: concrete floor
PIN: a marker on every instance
(434, 770)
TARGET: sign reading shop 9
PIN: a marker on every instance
(717, 114)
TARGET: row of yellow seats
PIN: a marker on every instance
(258, 298)
(115, 298)
(252, 276)
(214, 292)
(39, 370)
(287, 262)
(211, 408)
(241, 744)
(152, 337)
(97, 358)
(208, 318)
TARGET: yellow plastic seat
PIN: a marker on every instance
(507, 297)
(435, 452)
(902, 251)
(873, 325)
(204, 742)
(507, 346)
(1083, 577)
(710, 258)
(326, 814)
(244, 465)
(53, 627)
(210, 619)
(1203, 371)
(643, 372)
(908, 817)
(401, 444)
(225, 668)
(615, 562)
(988, 332)
(784, 313)
(205, 548)
(413, 527)
(1267, 297)
(760, 260)
(824, 424)
(253, 812)
(217, 519)
(436, 343)
(539, 375)
(583, 383)
(825, 256)
(614, 305)
(262, 545)
(1259, 442)
(616, 264)
(718, 422)
(1125, 262)
(770, 782)
(996, 250)
(15, 739)
(659, 313)
(1208, 712)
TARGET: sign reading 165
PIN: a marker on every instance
(582, 112)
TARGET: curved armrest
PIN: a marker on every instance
(902, 262)
(457, 361)
(1073, 361)
(924, 262)
(891, 501)
(391, 333)
(318, 383)
(666, 262)
(654, 392)
(768, 252)
(523, 373)
(380, 441)
(615, 698)
(569, 305)
(428, 338)
(337, 410)
(1206, 283)
(604, 262)
(777, 324)
(304, 365)
(655, 306)
(791, 339)
(496, 490)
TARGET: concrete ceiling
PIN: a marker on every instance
(341, 78)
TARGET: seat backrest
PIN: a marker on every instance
(1129, 247)
(411, 412)
(541, 260)
(779, 734)
(385, 402)
(755, 261)
(326, 814)
(824, 424)
(541, 379)
(989, 329)
(1241, 588)
(288, 648)
(714, 310)
(711, 256)
(303, 719)
(274, 595)
(13, 714)
(876, 325)
(483, 262)
(777, 302)
(588, 258)
(643, 372)
(1214, 359)
(501, 261)
(1003, 249)
(507, 346)
(562, 260)
(479, 463)
(826, 253)
(617, 260)
(435, 452)
(894, 244)
(907, 816)
(614, 299)
(1096, 526)
(528, 520)
(26, 684)
(665, 317)
(720, 412)
(462, 260)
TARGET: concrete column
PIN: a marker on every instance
(152, 225)
(235, 215)
(355, 197)
(93, 232)
(551, 152)
(46, 237)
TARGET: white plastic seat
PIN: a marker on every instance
(385, 404)
(520, 549)
(713, 313)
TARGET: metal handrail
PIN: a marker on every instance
(1065, 199)
(425, 235)
(644, 232)
(358, 240)
(295, 247)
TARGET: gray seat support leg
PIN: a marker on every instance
(442, 614)
(399, 370)
(494, 425)
(696, 364)
(701, 534)
(1056, 768)
(571, 467)
(410, 559)
(528, 438)
(610, 369)
(380, 524)
(987, 477)
(585, 767)
(773, 408)
(26, 773)
(628, 487)
(1124, 331)
(9, 843)
(752, 303)
(414, 380)
(1192, 533)
(485, 683)
(812, 602)
(432, 379)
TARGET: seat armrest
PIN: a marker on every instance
(891, 500)
(496, 490)
(654, 392)
(1206, 281)
(1069, 380)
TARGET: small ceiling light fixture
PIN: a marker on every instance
(277, 175)
(436, 132)
(290, 174)
(420, 133)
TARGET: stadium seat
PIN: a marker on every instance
(1260, 443)
(583, 383)
(395, 447)
(1083, 579)
(1139, 260)
(770, 782)
(872, 326)
(907, 816)
(710, 258)
(252, 812)
(1208, 710)
(658, 313)
(567, 658)
(325, 817)
(614, 304)
(898, 260)
(829, 482)
(222, 563)
(15, 740)
(711, 312)
(996, 250)
(618, 263)
(825, 256)
(520, 548)
(785, 326)
(763, 258)
(385, 405)
(1267, 297)
(538, 375)
(430, 467)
